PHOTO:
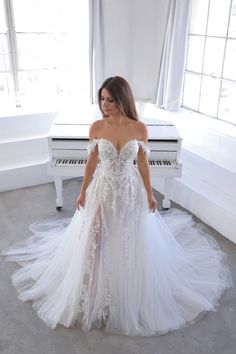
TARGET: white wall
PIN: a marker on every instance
(24, 149)
(207, 187)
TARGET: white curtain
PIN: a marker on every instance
(126, 39)
(169, 86)
(96, 47)
(143, 41)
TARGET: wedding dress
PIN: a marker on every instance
(115, 264)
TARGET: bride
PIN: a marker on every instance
(118, 263)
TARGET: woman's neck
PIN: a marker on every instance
(117, 119)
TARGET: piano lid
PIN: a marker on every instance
(81, 131)
(75, 123)
(87, 114)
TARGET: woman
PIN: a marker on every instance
(118, 262)
(120, 127)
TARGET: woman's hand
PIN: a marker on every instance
(80, 201)
(152, 203)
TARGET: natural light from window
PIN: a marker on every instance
(210, 75)
(51, 59)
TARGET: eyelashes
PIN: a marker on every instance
(110, 100)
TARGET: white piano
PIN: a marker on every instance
(68, 140)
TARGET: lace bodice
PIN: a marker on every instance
(117, 173)
(117, 163)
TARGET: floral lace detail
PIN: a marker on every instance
(93, 245)
(106, 188)
(89, 268)
(106, 309)
(121, 180)
(117, 166)
(144, 147)
(91, 145)
(118, 169)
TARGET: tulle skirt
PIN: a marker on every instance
(157, 274)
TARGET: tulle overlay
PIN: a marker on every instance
(114, 264)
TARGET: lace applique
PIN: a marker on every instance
(107, 308)
(91, 145)
(89, 268)
(119, 172)
(104, 191)
(145, 147)
(93, 245)
(119, 189)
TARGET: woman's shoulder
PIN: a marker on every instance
(140, 126)
(141, 130)
(97, 124)
(95, 127)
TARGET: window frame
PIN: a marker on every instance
(202, 74)
(17, 95)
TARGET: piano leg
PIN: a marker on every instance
(58, 188)
(166, 200)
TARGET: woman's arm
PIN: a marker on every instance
(90, 167)
(143, 166)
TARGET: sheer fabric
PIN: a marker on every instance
(115, 264)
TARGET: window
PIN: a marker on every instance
(44, 54)
(210, 73)
(5, 78)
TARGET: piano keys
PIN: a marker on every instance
(68, 153)
(81, 163)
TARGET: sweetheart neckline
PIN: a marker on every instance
(119, 150)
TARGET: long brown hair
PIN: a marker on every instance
(122, 95)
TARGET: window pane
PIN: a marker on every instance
(209, 96)
(217, 96)
(53, 86)
(3, 26)
(199, 16)
(47, 84)
(42, 51)
(5, 85)
(191, 90)
(44, 15)
(39, 81)
(232, 26)
(227, 108)
(230, 60)
(4, 58)
(195, 53)
(53, 48)
(218, 17)
(214, 52)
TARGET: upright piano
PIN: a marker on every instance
(68, 141)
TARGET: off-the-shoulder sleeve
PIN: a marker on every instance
(144, 147)
(91, 145)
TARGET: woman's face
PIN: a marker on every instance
(108, 105)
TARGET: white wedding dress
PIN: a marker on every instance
(115, 264)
